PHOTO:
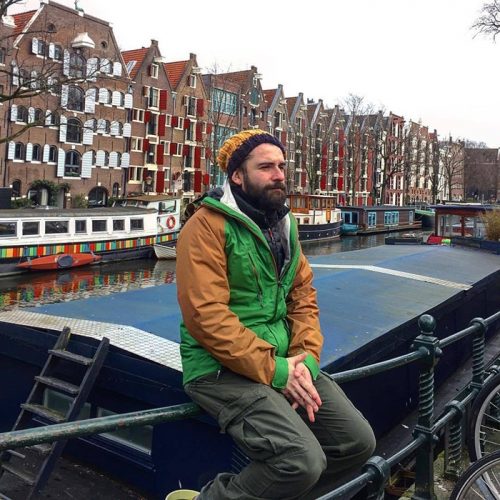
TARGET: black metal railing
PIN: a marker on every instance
(426, 350)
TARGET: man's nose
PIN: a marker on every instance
(278, 173)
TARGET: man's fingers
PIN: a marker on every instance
(310, 413)
(310, 390)
(304, 398)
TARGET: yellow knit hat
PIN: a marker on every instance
(236, 149)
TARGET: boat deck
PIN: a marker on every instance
(362, 294)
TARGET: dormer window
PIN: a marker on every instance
(154, 70)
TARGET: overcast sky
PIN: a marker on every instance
(416, 58)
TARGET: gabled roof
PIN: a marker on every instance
(239, 77)
(133, 60)
(175, 70)
(269, 95)
(22, 20)
(290, 104)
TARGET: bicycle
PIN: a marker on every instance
(483, 436)
(480, 481)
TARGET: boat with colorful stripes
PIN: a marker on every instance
(115, 233)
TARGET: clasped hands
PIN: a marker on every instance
(300, 390)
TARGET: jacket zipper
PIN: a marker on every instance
(260, 295)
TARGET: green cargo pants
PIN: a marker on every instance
(289, 454)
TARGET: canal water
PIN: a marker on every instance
(32, 289)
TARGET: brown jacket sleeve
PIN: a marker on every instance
(203, 295)
(303, 313)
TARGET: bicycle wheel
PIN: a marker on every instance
(480, 481)
(483, 434)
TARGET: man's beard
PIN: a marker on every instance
(266, 198)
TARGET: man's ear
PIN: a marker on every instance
(237, 177)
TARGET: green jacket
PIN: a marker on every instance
(235, 306)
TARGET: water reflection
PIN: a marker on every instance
(346, 244)
(30, 289)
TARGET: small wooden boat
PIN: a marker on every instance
(404, 239)
(349, 229)
(164, 252)
(60, 261)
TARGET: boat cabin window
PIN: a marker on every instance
(391, 218)
(136, 224)
(372, 219)
(31, 227)
(99, 225)
(8, 228)
(61, 403)
(118, 224)
(56, 226)
(80, 226)
(350, 217)
(168, 207)
(315, 203)
(140, 438)
(298, 202)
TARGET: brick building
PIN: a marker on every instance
(297, 143)
(68, 122)
(482, 174)
(189, 128)
(151, 119)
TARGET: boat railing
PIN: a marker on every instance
(426, 350)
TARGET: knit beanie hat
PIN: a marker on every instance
(235, 150)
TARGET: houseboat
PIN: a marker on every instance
(465, 224)
(317, 216)
(379, 219)
(143, 367)
(116, 233)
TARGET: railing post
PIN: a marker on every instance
(453, 450)
(478, 353)
(428, 344)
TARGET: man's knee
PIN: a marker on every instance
(304, 467)
(363, 443)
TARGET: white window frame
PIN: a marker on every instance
(179, 149)
(136, 144)
(138, 115)
(166, 147)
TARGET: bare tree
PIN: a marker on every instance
(224, 113)
(317, 146)
(6, 4)
(436, 179)
(452, 162)
(488, 23)
(356, 140)
(389, 150)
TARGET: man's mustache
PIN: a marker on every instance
(278, 185)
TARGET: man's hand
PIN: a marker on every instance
(300, 389)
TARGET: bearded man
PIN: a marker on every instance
(251, 337)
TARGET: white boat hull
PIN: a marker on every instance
(164, 252)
